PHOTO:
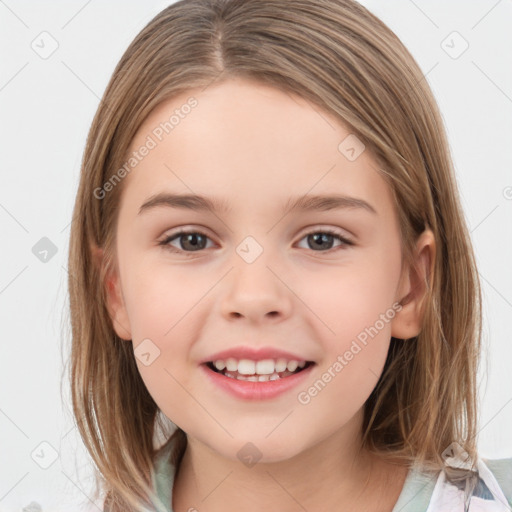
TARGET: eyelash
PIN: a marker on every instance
(170, 238)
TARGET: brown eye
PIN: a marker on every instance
(189, 241)
(195, 241)
(322, 240)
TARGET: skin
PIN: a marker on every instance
(257, 146)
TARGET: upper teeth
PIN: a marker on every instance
(263, 367)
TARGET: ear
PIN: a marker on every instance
(412, 289)
(115, 301)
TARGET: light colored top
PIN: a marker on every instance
(422, 492)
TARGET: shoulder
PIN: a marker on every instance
(488, 489)
(428, 491)
(501, 470)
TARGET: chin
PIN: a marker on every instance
(257, 449)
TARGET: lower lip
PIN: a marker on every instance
(249, 390)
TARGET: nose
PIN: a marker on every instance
(256, 291)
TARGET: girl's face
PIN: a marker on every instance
(259, 276)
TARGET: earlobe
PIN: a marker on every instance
(413, 289)
(115, 302)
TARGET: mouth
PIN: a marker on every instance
(260, 377)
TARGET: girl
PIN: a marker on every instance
(319, 350)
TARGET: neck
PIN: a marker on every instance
(333, 474)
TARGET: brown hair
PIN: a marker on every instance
(344, 60)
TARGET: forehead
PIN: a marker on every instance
(240, 139)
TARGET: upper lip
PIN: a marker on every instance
(255, 354)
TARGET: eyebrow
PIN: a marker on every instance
(302, 203)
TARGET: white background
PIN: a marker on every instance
(46, 108)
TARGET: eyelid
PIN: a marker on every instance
(314, 228)
(347, 241)
(323, 228)
(172, 232)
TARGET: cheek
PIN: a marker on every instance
(353, 297)
(357, 308)
(160, 304)
(160, 300)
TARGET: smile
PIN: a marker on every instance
(258, 371)
(256, 380)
